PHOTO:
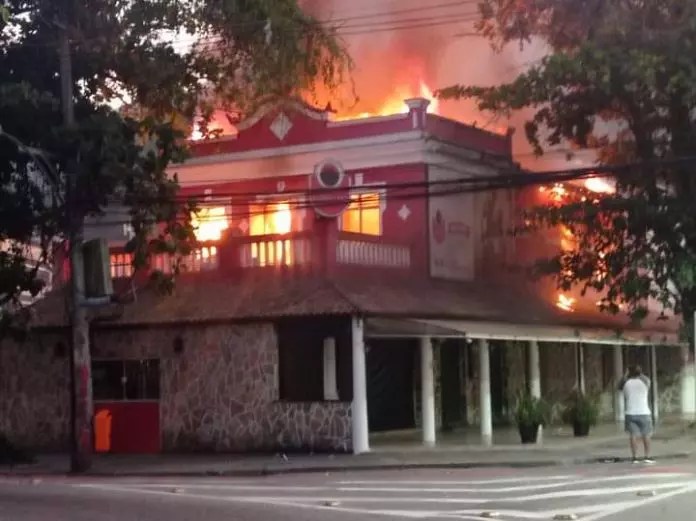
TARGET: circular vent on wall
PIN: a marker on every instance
(328, 188)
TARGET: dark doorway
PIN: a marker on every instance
(499, 402)
(390, 369)
(452, 402)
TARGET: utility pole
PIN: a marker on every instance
(80, 367)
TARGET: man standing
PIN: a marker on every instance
(638, 417)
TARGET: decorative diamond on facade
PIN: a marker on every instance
(280, 187)
(281, 126)
(404, 212)
(244, 226)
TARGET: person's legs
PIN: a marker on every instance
(646, 430)
(634, 447)
(633, 433)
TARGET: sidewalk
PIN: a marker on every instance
(558, 448)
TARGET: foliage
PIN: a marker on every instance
(228, 54)
(530, 410)
(620, 79)
(581, 408)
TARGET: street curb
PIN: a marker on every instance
(25, 472)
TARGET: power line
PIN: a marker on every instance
(468, 185)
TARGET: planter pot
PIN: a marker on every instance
(528, 433)
(581, 429)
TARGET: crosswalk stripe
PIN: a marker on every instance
(574, 479)
(434, 499)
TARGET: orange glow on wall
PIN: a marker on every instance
(565, 303)
(209, 223)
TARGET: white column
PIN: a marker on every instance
(688, 398)
(653, 383)
(535, 378)
(618, 375)
(361, 442)
(330, 387)
(427, 392)
(534, 370)
(485, 412)
(580, 358)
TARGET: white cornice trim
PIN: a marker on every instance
(302, 149)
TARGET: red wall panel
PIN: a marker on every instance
(127, 427)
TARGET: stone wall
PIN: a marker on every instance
(34, 392)
(220, 393)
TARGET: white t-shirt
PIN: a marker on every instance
(636, 391)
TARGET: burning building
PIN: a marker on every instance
(346, 282)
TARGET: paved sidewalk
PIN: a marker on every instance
(558, 448)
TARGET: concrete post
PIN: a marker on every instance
(535, 379)
(361, 441)
(330, 387)
(427, 392)
(688, 398)
(485, 409)
(618, 375)
(580, 360)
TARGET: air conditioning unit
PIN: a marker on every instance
(329, 189)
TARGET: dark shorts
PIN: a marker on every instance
(641, 425)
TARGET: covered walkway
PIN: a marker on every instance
(477, 336)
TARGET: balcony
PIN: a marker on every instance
(321, 250)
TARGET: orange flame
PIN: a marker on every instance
(565, 303)
(394, 103)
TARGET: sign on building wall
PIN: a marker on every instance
(451, 227)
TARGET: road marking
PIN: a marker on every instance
(333, 496)
(476, 482)
(583, 492)
(636, 504)
(518, 479)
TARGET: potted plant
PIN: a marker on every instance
(530, 414)
(581, 411)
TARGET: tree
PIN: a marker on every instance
(163, 61)
(619, 79)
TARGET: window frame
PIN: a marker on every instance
(124, 362)
(297, 215)
(379, 189)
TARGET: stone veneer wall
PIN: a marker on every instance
(35, 392)
(221, 393)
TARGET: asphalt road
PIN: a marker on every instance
(591, 493)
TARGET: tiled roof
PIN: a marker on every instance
(208, 297)
(262, 294)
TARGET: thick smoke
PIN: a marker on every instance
(391, 60)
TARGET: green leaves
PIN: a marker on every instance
(227, 55)
(617, 80)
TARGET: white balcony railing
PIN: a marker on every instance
(364, 253)
(275, 251)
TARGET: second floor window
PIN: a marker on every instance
(363, 215)
(276, 218)
(210, 223)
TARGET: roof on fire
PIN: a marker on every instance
(264, 295)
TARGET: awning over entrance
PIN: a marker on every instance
(378, 327)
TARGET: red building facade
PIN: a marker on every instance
(344, 272)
